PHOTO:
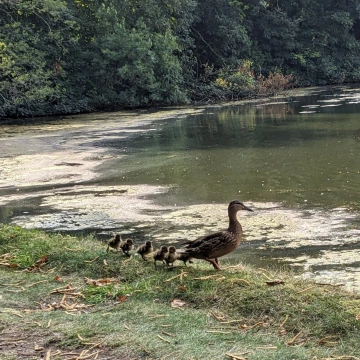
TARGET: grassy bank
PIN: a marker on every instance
(63, 297)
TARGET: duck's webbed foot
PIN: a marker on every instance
(215, 263)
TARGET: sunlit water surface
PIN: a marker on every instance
(295, 161)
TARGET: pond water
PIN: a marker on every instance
(295, 160)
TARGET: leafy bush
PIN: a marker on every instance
(236, 83)
(274, 83)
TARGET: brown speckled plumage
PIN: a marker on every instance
(183, 257)
(114, 243)
(145, 249)
(213, 246)
(170, 256)
(159, 255)
(126, 246)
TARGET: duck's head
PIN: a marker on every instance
(117, 237)
(148, 244)
(172, 249)
(129, 242)
(164, 249)
(236, 206)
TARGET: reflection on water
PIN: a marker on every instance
(296, 160)
(269, 152)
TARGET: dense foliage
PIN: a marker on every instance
(67, 56)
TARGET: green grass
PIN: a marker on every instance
(232, 311)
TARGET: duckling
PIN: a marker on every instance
(213, 246)
(126, 246)
(145, 249)
(114, 242)
(159, 255)
(170, 256)
(184, 257)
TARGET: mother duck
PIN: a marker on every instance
(213, 246)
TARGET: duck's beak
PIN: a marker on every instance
(248, 209)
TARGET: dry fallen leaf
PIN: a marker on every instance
(42, 260)
(58, 278)
(177, 303)
(100, 282)
(182, 288)
(122, 298)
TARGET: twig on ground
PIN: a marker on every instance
(218, 317)
(284, 322)
(181, 275)
(168, 334)
(231, 321)
(306, 289)
(206, 277)
(163, 339)
(36, 283)
(326, 284)
(327, 340)
(237, 356)
(292, 341)
(157, 316)
(234, 281)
